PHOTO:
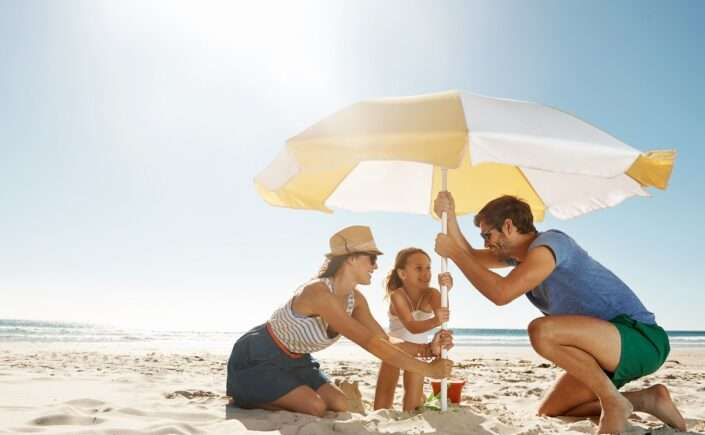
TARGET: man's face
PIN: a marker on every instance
(495, 241)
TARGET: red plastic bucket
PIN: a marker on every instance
(455, 387)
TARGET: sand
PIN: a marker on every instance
(129, 389)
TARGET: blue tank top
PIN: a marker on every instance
(580, 285)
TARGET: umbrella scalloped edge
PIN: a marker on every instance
(653, 169)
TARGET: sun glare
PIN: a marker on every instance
(267, 37)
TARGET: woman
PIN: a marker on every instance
(271, 366)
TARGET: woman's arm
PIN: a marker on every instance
(364, 316)
(374, 340)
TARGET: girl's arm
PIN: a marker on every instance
(401, 308)
(372, 338)
(363, 315)
(434, 300)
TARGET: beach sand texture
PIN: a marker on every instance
(71, 389)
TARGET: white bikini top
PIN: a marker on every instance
(398, 330)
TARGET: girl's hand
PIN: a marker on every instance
(442, 315)
(445, 279)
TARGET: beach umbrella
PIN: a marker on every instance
(396, 154)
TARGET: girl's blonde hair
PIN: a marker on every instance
(393, 281)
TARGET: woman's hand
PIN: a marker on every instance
(445, 279)
(443, 339)
(440, 368)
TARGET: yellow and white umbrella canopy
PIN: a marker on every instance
(387, 155)
(395, 154)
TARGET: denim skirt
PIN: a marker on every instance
(260, 372)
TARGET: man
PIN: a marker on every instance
(595, 327)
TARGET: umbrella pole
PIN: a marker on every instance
(444, 292)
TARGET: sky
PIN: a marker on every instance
(131, 131)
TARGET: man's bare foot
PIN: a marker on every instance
(656, 400)
(615, 412)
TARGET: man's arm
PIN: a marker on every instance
(445, 202)
(537, 266)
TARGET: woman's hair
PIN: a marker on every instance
(331, 265)
(393, 281)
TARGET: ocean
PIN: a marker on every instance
(37, 331)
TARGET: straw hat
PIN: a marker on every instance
(351, 240)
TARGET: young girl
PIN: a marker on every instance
(415, 313)
(271, 366)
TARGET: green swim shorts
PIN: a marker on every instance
(644, 349)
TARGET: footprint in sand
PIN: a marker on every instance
(131, 411)
(538, 392)
(86, 403)
(62, 419)
(192, 394)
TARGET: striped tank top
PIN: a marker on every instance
(302, 334)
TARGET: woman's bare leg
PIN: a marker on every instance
(301, 399)
(334, 398)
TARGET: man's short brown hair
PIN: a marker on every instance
(507, 207)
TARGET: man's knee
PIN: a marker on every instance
(541, 332)
(547, 410)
